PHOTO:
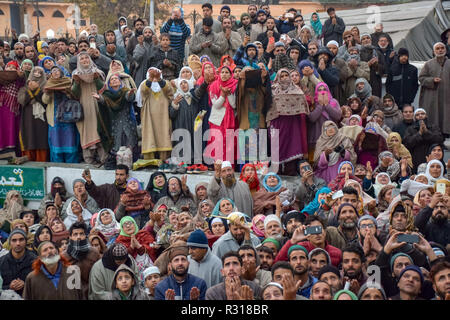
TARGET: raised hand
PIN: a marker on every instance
(170, 294)
(195, 293)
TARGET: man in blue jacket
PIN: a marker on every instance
(180, 285)
(178, 30)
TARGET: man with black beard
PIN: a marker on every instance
(141, 54)
(180, 285)
(352, 266)
(408, 120)
(225, 185)
(420, 136)
(178, 196)
(266, 258)
(252, 12)
(440, 275)
(52, 277)
(371, 55)
(259, 26)
(132, 42)
(204, 42)
(237, 236)
(291, 221)
(438, 228)
(79, 253)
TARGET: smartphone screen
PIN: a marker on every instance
(409, 238)
(337, 195)
(92, 45)
(440, 187)
(313, 230)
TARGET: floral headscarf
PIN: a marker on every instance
(108, 230)
(255, 220)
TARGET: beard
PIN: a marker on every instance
(229, 181)
(239, 239)
(180, 272)
(354, 273)
(348, 225)
(439, 218)
(265, 266)
(51, 260)
(175, 193)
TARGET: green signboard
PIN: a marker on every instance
(28, 181)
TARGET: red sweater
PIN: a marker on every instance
(335, 253)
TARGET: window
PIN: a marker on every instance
(35, 13)
(58, 14)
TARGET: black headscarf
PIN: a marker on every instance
(156, 193)
(37, 242)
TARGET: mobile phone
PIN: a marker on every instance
(271, 40)
(87, 171)
(440, 187)
(313, 230)
(409, 238)
(92, 45)
(289, 15)
(283, 37)
(307, 168)
(285, 203)
(337, 195)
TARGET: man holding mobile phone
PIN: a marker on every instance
(311, 242)
(308, 185)
(432, 221)
(204, 42)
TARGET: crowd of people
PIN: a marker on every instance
(372, 190)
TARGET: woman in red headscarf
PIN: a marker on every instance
(222, 99)
(249, 176)
(11, 80)
(227, 61)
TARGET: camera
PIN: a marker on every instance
(339, 149)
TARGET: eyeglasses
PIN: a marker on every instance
(367, 226)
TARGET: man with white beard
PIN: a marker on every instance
(52, 277)
(434, 94)
(225, 185)
(274, 229)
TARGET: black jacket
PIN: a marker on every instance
(432, 231)
(401, 127)
(330, 74)
(11, 269)
(402, 82)
(418, 144)
(262, 37)
(333, 32)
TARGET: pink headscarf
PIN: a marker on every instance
(255, 220)
(333, 102)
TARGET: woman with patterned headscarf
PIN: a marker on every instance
(12, 207)
(288, 115)
(88, 79)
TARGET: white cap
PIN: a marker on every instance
(333, 42)
(226, 164)
(150, 270)
(271, 217)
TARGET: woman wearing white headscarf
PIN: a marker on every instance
(76, 212)
(154, 96)
(107, 224)
(434, 171)
(88, 79)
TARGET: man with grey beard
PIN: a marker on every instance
(347, 231)
(225, 185)
(434, 94)
(178, 196)
(52, 277)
